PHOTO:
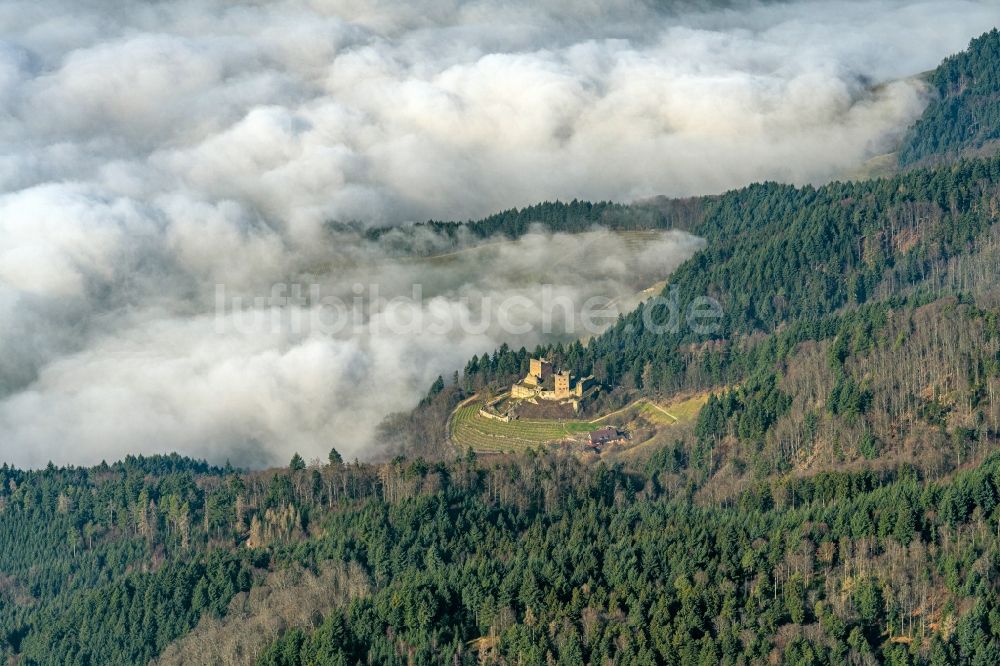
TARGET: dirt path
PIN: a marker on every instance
(656, 406)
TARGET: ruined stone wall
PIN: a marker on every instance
(493, 415)
(522, 391)
(540, 368)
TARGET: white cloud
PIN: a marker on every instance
(55, 237)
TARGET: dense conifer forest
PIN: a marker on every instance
(837, 499)
(965, 112)
(529, 559)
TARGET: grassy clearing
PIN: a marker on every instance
(656, 414)
(469, 429)
(681, 411)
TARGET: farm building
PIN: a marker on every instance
(607, 435)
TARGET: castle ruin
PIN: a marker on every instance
(543, 383)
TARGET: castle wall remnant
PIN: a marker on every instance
(520, 390)
(539, 370)
(564, 385)
(493, 415)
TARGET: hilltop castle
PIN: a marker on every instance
(544, 383)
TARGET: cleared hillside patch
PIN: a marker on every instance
(469, 429)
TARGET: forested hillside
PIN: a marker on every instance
(850, 266)
(89, 558)
(527, 559)
(964, 114)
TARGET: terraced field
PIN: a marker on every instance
(469, 429)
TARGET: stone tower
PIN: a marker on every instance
(540, 369)
(562, 384)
